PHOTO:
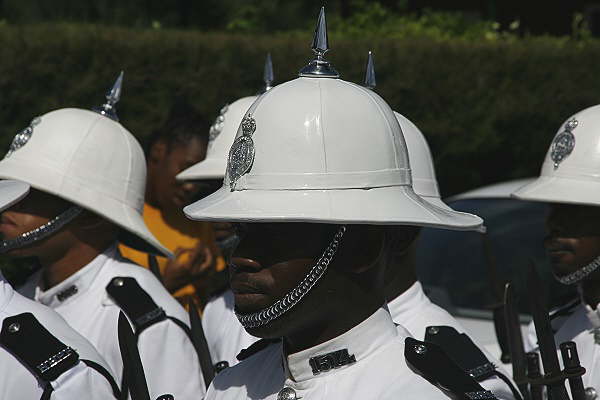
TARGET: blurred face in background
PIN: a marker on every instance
(165, 161)
(573, 239)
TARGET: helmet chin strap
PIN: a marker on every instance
(580, 274)
(292, 298)
(41, 232)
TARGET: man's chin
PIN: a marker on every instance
(250, 303)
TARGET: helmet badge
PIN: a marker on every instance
(22, 137)
(563, 143)
(217, 126)
(241, 154)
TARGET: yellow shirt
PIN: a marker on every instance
(175, 231)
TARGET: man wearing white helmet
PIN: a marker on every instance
(41, 356)
(569, 182)
(318, 169)
(224, 334)
(87, 174)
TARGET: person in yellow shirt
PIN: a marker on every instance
(180, 143)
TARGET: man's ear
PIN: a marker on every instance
(90, 221)
(362, 247)
(158, 152)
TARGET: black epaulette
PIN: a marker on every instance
(135, 302)
(461, 349)
(255, 348)
(31, 343)
(432, 363)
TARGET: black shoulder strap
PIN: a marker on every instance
(255, 348)
(433, 364)
(461, 349)
(44, 355)
(135, 302)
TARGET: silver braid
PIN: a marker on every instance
(41, 232)
(580, 274)
(288, 301)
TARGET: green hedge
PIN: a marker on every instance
(488, 107)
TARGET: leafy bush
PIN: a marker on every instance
(488, 107)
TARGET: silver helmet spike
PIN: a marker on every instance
(268, 75)
(370, 81)
(320, 45)
(112, 98)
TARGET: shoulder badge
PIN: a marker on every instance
(461, 349)
(43, 354)
(241, 154)
(22, 137)
(135, 302)
(563, 143)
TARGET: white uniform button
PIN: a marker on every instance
(287, 394)
(14, 327)
(590, 393)
(433, 330)
(420, 349)
(118, 282)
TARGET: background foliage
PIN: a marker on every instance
(488, 106)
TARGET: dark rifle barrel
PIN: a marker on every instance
(553, 376)
(533, 374)
(573, 369)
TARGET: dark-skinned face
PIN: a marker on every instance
(33, 211)
(573, 239)
(273, 258)
(164, 163)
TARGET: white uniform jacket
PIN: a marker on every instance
(579, 323)
(225, 336)
(414, 311)
(170, 362)
(18, 382)
(379, 371)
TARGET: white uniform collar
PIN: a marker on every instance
(408, 302)
(76, 284)
(6, 292)
(360, 342)
(593, 315)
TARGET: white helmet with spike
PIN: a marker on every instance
(89, 159)
(320, 149)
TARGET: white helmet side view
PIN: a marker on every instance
(570, 170)
(89, 159)
(320, 149)
(222, 133)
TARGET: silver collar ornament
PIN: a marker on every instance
(241, 154)
(41, 232)
(580, 274)
(563, 143)
(283, 305)
(22, 137)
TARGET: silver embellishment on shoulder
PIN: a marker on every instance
(241, 154)
(55, 360)
(22, 137)
(563, 143)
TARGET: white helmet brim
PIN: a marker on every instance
(11, 192)
(209, 168)
(555, 189)
(394, 205)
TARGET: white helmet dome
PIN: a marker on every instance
(89, 160)
(222, 134)
(323, 150)
(571, 169)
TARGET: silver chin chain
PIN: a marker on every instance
(580, 274)
(283, 305)
(41, 232)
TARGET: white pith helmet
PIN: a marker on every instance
(570, 173)
(11, 192)
(90, 160)
(320, 149)
(222, 133)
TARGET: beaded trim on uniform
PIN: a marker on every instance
(283, 305)
(581, 273)
(41, 232)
